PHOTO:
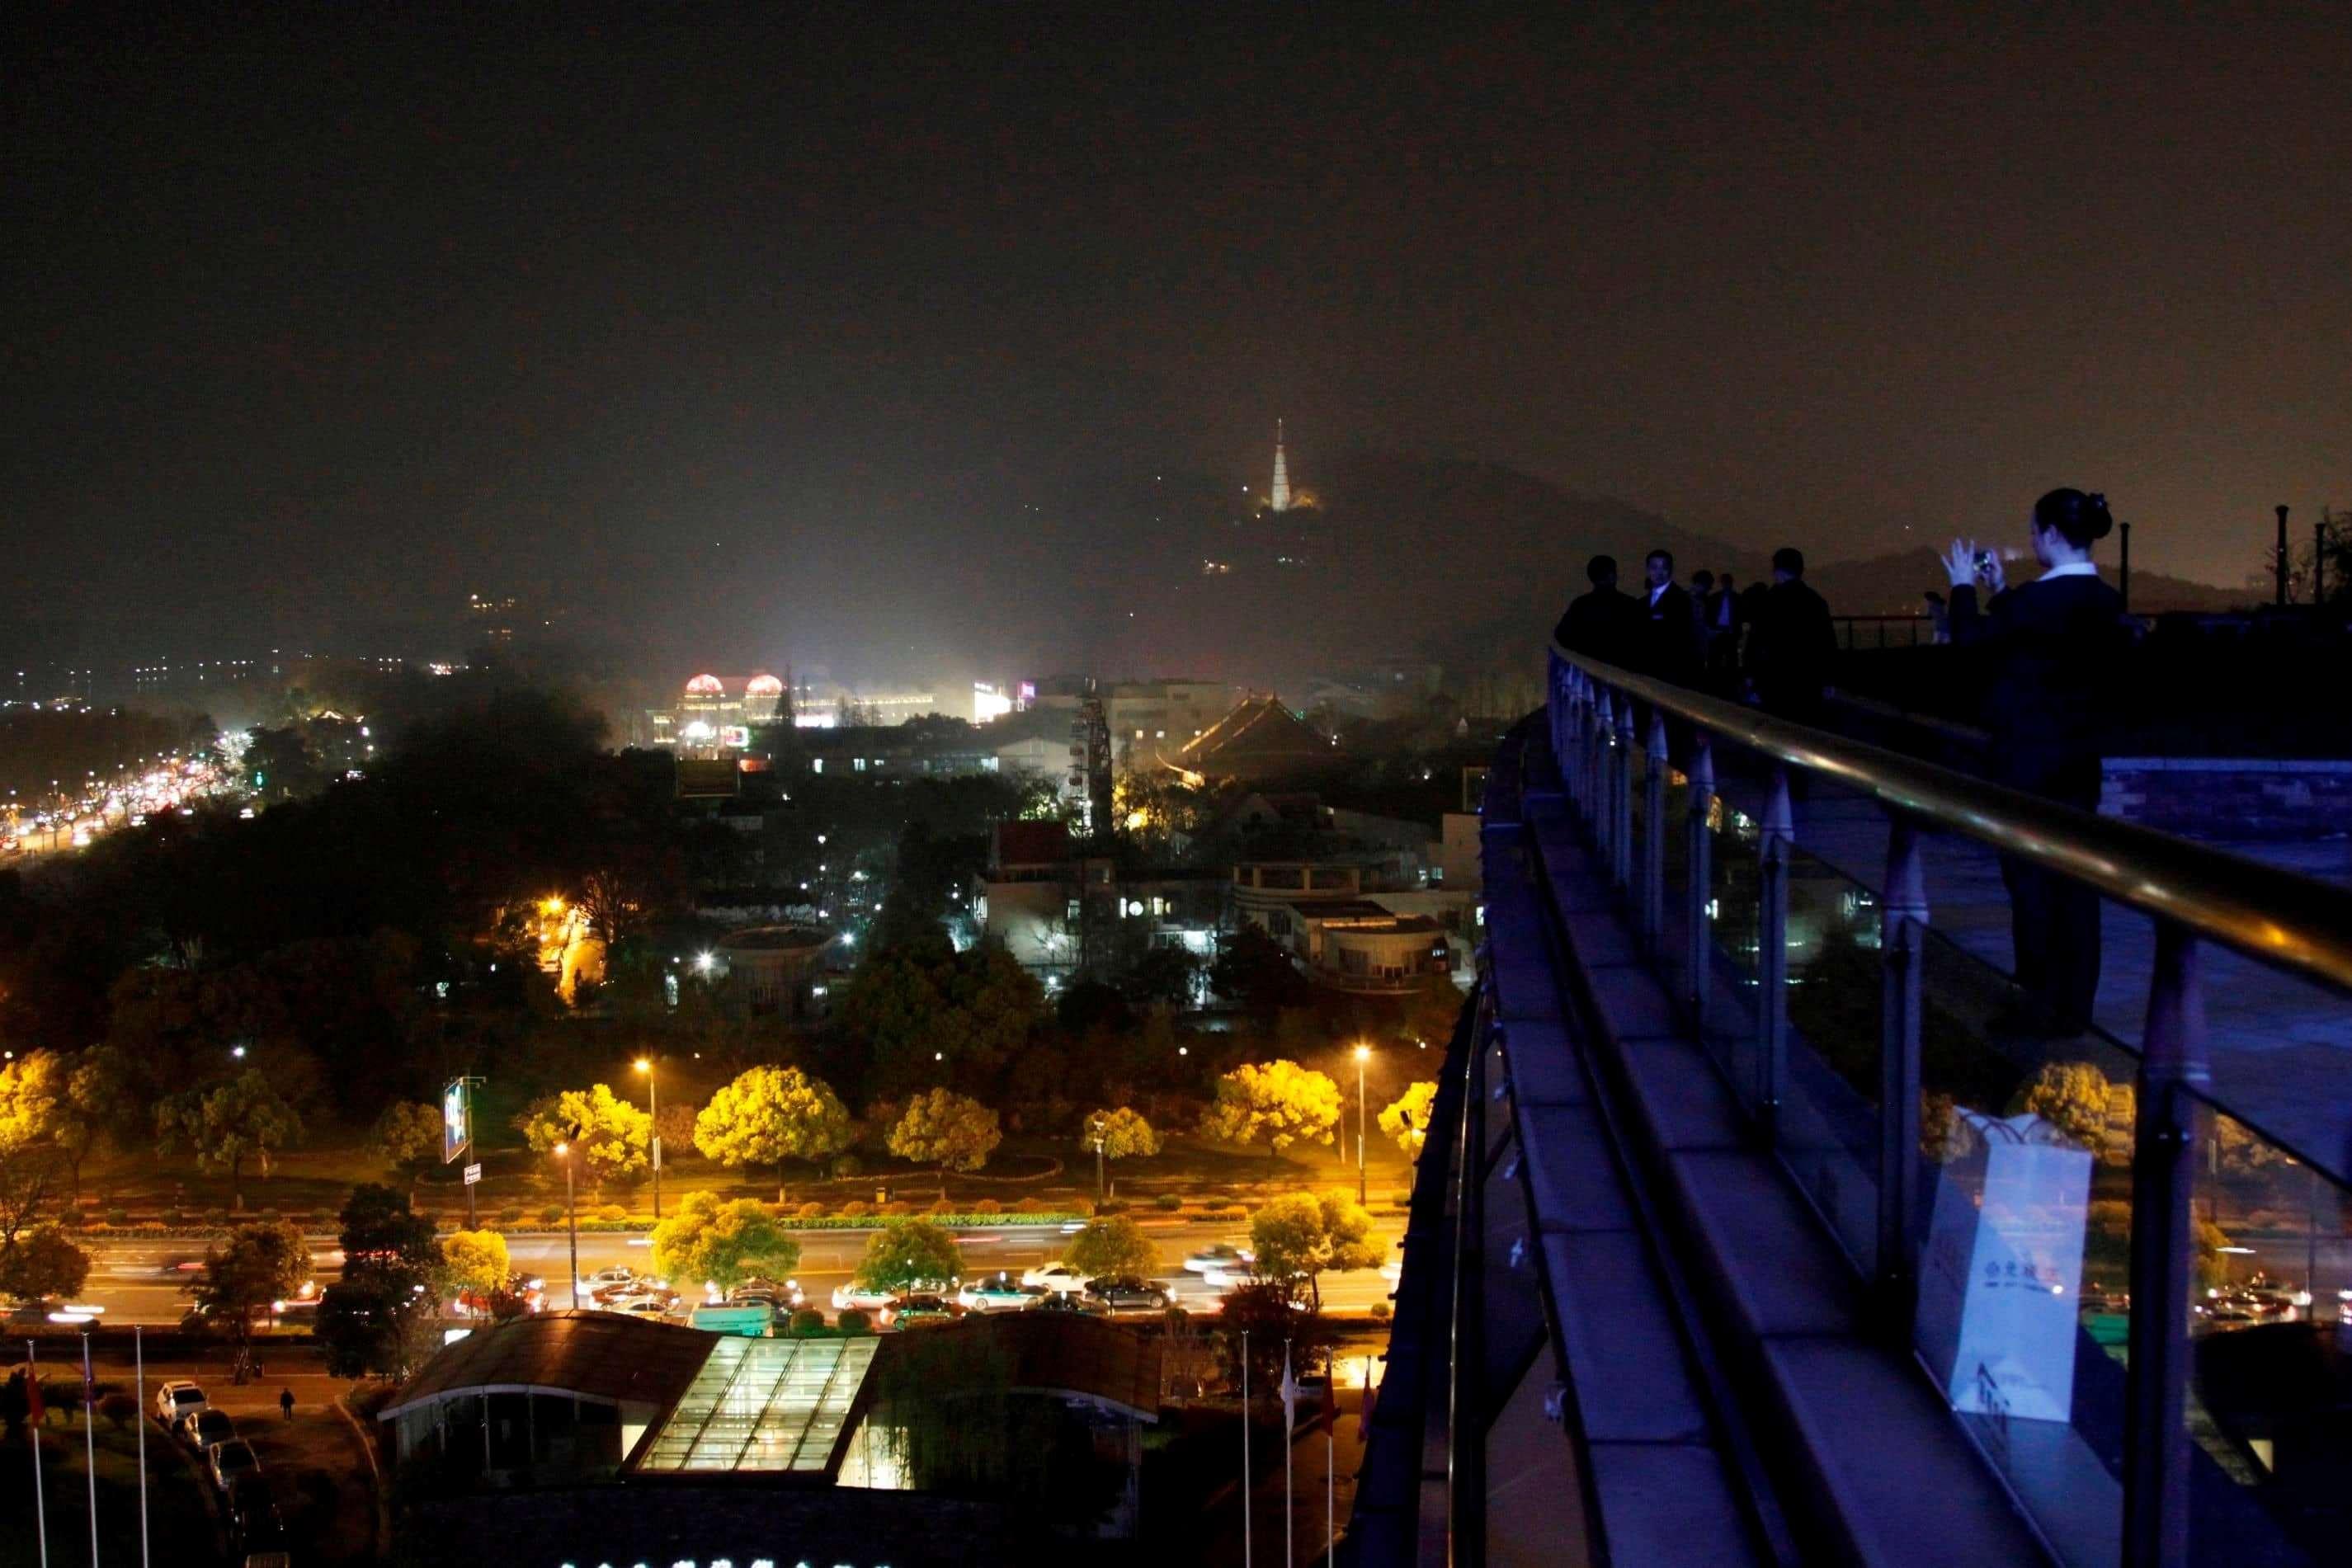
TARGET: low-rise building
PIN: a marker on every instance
(1060, 912)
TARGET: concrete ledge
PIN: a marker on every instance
(1669, 1502)
(1569, 1169)
(1881, 1448)
(1615, 1340)
(1765, 1248)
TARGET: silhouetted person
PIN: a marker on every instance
(1604, 624)
(285, 1401)
(1670, 637)
(1721, 617)
(2054, 650)
(1792, 643)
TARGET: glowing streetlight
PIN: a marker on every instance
(702, 961)
(653, 1114)
(1363, 1054)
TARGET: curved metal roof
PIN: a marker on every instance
(597, 1355)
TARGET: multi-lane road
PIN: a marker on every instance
(143, 1281)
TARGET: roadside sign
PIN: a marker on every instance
(657, 1154)
(473, 1175)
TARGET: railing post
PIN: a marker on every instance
(1902, 931)
(1772, 951)
(1698, 866)
(1621, 793)
(2164, 1183)
(1603, 815)
(1653, 913)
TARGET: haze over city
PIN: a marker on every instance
(847, 336)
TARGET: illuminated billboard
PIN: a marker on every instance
(457, 1119)
(988, 703)
(735, 735)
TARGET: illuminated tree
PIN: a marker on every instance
(2081, 1102)
(228, 1123)
(475, 1260)
(1277, 1103)
(722, 1243)
(1407, 1121)
(42, 1265)
(609, 1135)
(770, 1115)
(908, 1252)
(1111, 1248)
(945, 1129)
(1298, 1236)
(33, 1163)
(1115, 1136)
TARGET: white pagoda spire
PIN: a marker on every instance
(1280, 497)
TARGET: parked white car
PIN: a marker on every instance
(176, 1398)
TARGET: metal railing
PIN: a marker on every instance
(1600, 715)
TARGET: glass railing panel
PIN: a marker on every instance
(2025, 1257)
(1826, 1130)
(2270, 1402)
(1735, 915)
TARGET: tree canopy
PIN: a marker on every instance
(909, 1252)
(1277, 1103)
(610, 1136)
(475, 1261)
(945, 1129)
(257, 1265)
(709, 1241)
(229, 1122)
(771, 1114)
(408, 1136)
(42, 1264)
(915, 1004)
(1299, 1236)
(1112, 1247)
(1406, 1119)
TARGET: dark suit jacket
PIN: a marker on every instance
(1790, 649)
(2053, 652)
(1672, 647)
(1604, 624)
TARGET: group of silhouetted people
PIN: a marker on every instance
(2049, 653)
(1771, 645)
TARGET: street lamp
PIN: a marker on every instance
(1363, 1054)
(571, 1218)
(653, 1112)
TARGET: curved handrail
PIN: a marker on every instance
(2293, 922)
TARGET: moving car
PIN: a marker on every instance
(1070, 1302)
(232, 1462)
(751, 1322)
(999, 1292)
(1220, 1258)
(176, 1398)
(913, 1312)
(618, 1274)
(863, 1298)
(1055, 1276)
(1127, 1295)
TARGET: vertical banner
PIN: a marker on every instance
(2001, 1285)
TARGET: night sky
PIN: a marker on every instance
(756, 332)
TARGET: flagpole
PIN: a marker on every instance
(1245, 1451)
(1331, 1462)
(1289, 1417)
(40, 1500)
(139, 1352)
(89, 1442)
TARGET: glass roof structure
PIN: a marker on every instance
(762, 1405)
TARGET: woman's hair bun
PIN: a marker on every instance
(2080, 517)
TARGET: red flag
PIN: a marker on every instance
(34, 1412)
